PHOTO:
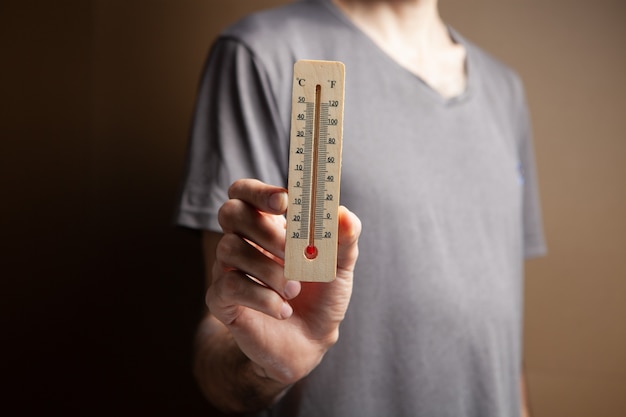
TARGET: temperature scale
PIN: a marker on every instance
(314, 170)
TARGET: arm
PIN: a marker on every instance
(261, 335)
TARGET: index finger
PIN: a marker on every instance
(262, 196)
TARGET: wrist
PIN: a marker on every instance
(228, 378)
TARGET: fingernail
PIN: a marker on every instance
(292, 289)
(286, 311)
(278, 201)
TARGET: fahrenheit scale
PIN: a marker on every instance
(314, 170)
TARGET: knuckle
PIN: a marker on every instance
(224, 312)
(332, 338)
(271, 303)
(227, 213)
(351, 235)
(222, 299)
(231, 287)
(227, 248)
(237, 186)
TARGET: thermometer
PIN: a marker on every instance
(314, 170)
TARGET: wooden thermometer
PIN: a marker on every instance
(314, 170)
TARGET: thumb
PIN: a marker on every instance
(348, 238)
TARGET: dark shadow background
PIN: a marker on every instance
(100, 293)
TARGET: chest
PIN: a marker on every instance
(409, 150)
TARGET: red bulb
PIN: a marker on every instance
(310, 252)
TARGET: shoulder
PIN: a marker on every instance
(499, 86)
(279, 28)
(496, 77)
(274, 39)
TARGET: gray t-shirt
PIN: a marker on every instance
(446, 192)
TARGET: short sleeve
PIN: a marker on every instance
(236, 133)
(534, 240)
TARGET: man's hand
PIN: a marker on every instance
(283, 327)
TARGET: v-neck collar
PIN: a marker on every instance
(432, 92)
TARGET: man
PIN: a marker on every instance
(438, 167)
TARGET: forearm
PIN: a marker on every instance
(226, 376)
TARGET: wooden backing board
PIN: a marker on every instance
(314, 170)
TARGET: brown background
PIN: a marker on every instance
(100, 293)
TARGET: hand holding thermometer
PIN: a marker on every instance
(314, 170)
